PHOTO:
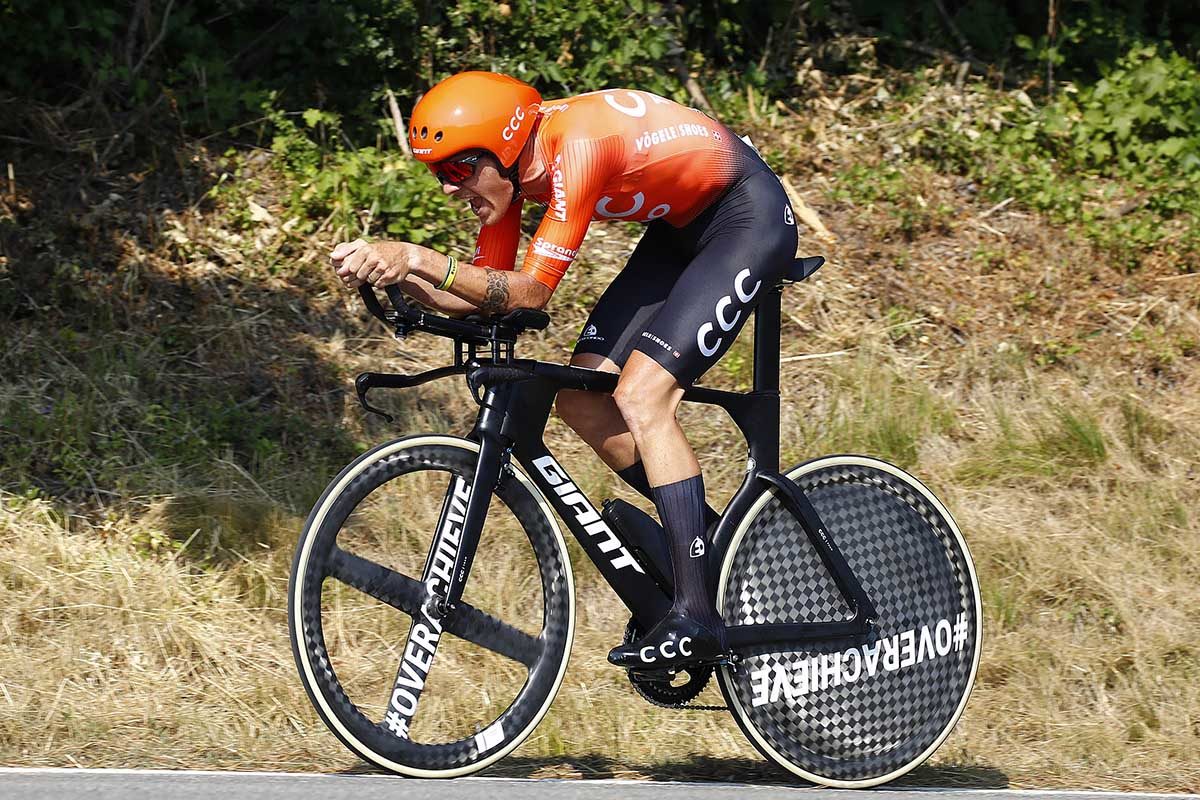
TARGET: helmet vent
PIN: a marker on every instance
(414, 132)
(437, 137)
(424, 132)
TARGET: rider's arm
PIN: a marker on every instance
(488, 283)
(492, 291)
(496, 248)
(578, 174)
(426, 294)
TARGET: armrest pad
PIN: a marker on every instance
(527, 319)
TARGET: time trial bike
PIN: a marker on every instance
(850, 601)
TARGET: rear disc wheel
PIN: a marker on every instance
(864, 711)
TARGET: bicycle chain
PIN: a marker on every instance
(689, 707)
(695, 707)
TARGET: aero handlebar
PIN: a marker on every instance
(405, 318)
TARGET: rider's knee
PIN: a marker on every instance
(641, 409)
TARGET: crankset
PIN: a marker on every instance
(662, 687)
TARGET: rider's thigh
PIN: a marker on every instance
(593, 361)
(588, 412)
(746, 245)
(634, 296)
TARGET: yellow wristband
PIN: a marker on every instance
(451, 271)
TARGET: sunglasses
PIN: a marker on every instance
(458, 170)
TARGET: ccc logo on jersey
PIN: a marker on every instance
(637, 201)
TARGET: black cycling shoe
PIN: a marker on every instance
(677, 640)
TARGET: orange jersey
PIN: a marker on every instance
(614, 154)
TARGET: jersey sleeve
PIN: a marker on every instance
(578, 174)
(496, 246)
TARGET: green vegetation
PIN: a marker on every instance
(347, 189)
(1120, 157)
(114, 83)
(126, 416)
(872, 409)
(1059, 445)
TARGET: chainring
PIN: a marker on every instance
(658, 688)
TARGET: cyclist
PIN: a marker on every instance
(719, 234)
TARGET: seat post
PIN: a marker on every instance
(763, 433)
(766, 341)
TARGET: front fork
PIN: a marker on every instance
(448, 564)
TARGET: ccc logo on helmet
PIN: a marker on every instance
(514, 124)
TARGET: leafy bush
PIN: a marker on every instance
(1144, 112)
(1132, 139)
(1083, 38)
(367, 188)
(215, 61)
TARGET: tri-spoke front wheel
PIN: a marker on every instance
(411, 691)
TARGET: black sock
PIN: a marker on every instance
(681, 508)
(635, 476)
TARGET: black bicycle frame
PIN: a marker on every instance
(516, 396)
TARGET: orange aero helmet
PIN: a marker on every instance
(474, 110)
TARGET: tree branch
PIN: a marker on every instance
(693, 88)
(150, 48)
(398, 123)
(962, 40)
(140, 13)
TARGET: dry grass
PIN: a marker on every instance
(1088, 563)
(1043, 394)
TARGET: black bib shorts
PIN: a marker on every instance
(686, 292)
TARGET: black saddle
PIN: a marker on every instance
(803, 267)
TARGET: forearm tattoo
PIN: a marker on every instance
(496, 299)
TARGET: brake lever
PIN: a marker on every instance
(397, 297)
(476, 386)
(372, 302)
(362, 385)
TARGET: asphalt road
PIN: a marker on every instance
(55, 784)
